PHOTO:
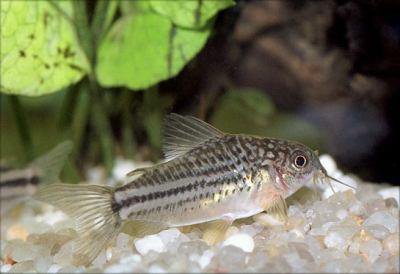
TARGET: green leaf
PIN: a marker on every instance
(133, 7)
(243, 111)
(144, 48)
(190, 14)
(39, 50)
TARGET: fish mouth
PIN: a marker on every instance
(323, 176)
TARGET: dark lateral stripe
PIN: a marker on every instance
(202, 184)
(199, 196)
(19, 181)
(157, 195)
(179, 171)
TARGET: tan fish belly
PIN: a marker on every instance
(230, 208)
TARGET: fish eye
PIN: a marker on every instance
(300, 161)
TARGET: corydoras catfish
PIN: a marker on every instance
(208, 177)
(19, 184)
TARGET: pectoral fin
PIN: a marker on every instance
(278, 207)
(139, 229)
(214, 231)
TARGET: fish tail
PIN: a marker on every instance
(91, 206)
(50, 165)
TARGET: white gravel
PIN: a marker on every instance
(243, 241)
(344, 232)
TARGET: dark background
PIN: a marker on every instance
(334, 63)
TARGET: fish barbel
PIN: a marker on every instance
(208, 176)
(18, 184)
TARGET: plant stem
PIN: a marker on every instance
(23, 127)
(83, 31)
(98, 117)
(153, 111)
(80, 119)
(128, 142)
(66, 115)
(101, 123)
(99, 19)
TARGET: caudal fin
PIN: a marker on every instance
(91, 208)
(50, 165)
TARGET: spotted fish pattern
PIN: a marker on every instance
(208, 176)
(217, 177)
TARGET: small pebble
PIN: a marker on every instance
(68, 269)
(335, 240)
(267, 220)
(205, 258)
(240, 240)
(232, 230)
(391, 202)
(42, 264)
(391, 244)
(148, 243)
(341, 214)
(22, 267)
(169, 235)
(372, 249)
(156, 269)
(328, 163)
(121, 168)
(357, 208)
(251, 230)
(378, 231)
(230, 258)
(54, 268)
(65, 256)
(123, 241)
(383, 218)
(390, 192)
(354, 247)
(5, 268)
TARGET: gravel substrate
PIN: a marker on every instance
(341, 232)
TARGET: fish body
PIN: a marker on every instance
(17, 181)
(228, 176)
(18, 184)
(208, 177)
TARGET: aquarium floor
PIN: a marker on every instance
(338, 232)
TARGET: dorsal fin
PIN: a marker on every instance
(50, 164)
(182, 133)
